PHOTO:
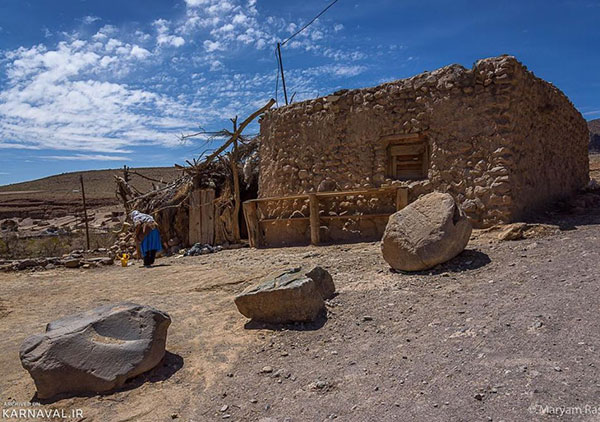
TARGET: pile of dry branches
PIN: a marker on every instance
(226, 170)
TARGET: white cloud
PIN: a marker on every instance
(239, 19)
(90, 19)
(211, 46)
(139, 52)
(163, 34)
(87, 157)
(334, 70)
(103, 96)
(56, 99)
(338, 27)
(216, 65)
(196, 3)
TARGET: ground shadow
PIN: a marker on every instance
(566, 214)
(169, 365)
(467, 260)
(566, 219)
(296, 326)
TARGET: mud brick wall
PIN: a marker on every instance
(500, 140)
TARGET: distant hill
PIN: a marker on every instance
(594, 126)
(59, 194)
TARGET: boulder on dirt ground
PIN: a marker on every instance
(95, 351)
(324, 282)
(292, 296)
(427, 232)
(72, 262)
(24, 264)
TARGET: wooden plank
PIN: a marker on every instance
(354, 216)
(408, 137)
(195, 217)
(373, 191)
(279, 198)
(252, 223)
(201, 217)
(207, 234)
(286, 220)
(325, 217)
(407, 149)
(315, 224)
(401, 198)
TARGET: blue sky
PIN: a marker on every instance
(97, 84)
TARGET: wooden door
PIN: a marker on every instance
(202, 217)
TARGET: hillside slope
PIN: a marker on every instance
(58, 195)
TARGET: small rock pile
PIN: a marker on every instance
(202, 249)
(125, 243)
(75, 259)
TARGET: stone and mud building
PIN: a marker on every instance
(500, 140)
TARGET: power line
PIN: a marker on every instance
(278, 54)
(310, 23)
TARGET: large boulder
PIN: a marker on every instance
(427, 232)
(292, 296)
(97, 350)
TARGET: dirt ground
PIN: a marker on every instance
(499, 330)
(504, 332)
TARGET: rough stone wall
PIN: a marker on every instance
(480, 124)
(550, 145)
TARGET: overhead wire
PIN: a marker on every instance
(310, 23)
(289, 38)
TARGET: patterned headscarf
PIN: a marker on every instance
(141, 218)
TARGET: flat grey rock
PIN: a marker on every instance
(95, 351)
(292, 296)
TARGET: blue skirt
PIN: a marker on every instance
(151, 242)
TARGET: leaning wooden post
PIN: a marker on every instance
(252, 223)
(236, 186)
(401, 198)
(85, 216)
(315, 223)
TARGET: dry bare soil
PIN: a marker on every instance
(502, 332)
(499, 330)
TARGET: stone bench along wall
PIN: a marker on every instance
(478, 123)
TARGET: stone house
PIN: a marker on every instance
(500, 140)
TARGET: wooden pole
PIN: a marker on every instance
(315, 222)
(401, 198)
(236, 186)
(282, 75)
(234, 136)
(252, 223)
(85, 216)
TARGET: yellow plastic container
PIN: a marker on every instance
(124, 259)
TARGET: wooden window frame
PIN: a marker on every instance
(396, 144)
